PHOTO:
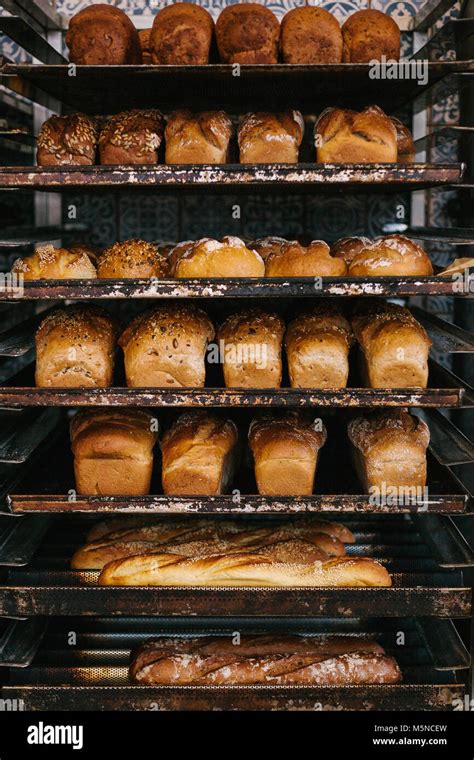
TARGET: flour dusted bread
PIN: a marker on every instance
(67, 140)
(248, 33)
(251, 344)
(291, 259)
(103, 34)
(199, 452)
(343, 136)
(181, 35)
(113, 451)
(267, 245)
(285, 451)
(132, 259)
(131, 137)
(310, 35)
(75, 346)
(393, 255)
(317, 347)
(50, 263)
(348, 248)
(166, 346)
(213, 258)
(267, 138)
(370, 35)
(394, 346)
(389, 449)
(198, 138)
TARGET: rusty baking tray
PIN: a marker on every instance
(412, 549)
(93, 675)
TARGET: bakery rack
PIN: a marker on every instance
(424, 546)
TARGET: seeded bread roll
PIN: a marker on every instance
(67, 140)
(348, 248)
(343, 136)
(389, 449)
(251, 345)
(310, 35)
(211, 258)
(198, 138)
(285, 451)
(270, 138)
(166, 347)
(393, 255)
(317, 348)
(144, 37)
(199, 455)
(50, 263)
(113, 451)
(291, 259)
(181, 35)
(131, 137)
(132, 258)
(370, 35)
(247, 33)
(75, 346)
(406, 151)
(103, 34)
(394, 346)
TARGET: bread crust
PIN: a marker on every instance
(291, 259)
(103, 34)
(212, 258)
(248, 33)
(50, 263)
(368, 35)
(144, 37)
(310, 35)
(132, 259)
(391, 255)
(181, 35)
(131, 137)
(198, 138)
(270, 138)
(67, 140)
(344, 136)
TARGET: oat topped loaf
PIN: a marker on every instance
(132, 258)
(132, 137)
(66, 140)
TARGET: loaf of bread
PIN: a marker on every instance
(389, 449)
(131, 137)
(262, 659)
(406, 150)
(50, 263)
(267, 245)
(348, 248)
(251, 345)
(132, 259)
(103, 34)
(285, 451)
(393, 255)
(244, 570)
(75, 346)
(198, 138)
(166, 347)
(394, 346)
(370, 35)
(349, 137)
(248, 33)
(181, 35)
(113, 451)
(144, 37)
(211, 258)
(291, 259)
(310, 35)
(270, 138)
(92, 251)
(199, 454)
(317, 347)
(67, 140)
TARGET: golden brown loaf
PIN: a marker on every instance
(113, 451)
(262, 659)
(389, 449)
(270, 138)
(267, 245)
(67, 140)
(247, 33)
(317, 347)
(343, 136)
(102, 34)
(393, 255)
(310, 35)
(198, 138)
(285, 451)
(198, 454)
(251, 345)
(144, 37)
(75, 346)
(406, 151)
(181, 35)
(370, 35)
(394, 346)
(132, 258)
(291, 259)
(131, 137)
(50, 263)
(244, 570)
(348, 248)
(166, 347)
(92, 251)
(212, 258)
